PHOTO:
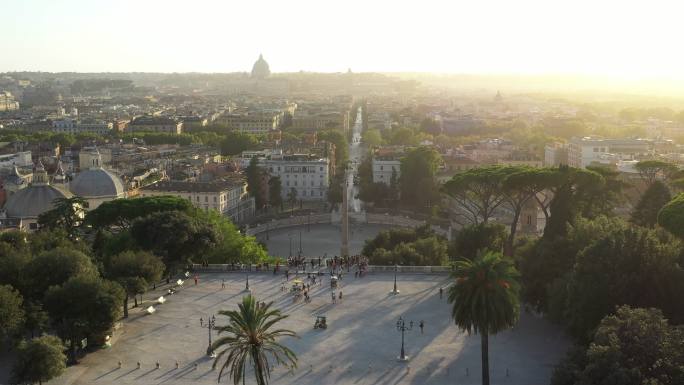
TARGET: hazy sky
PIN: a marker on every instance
(621, 38)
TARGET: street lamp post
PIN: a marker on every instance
(395, 290)
(401, 327)
(211, 322)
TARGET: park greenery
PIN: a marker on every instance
(591, 269)
(416, 188)
(73, 278)
(410, 247)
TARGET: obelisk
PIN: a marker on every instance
(344, 210)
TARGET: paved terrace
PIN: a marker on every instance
(359, 347)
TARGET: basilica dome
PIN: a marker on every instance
(260, 69)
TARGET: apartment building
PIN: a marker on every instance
(307, 175)
(227, 196)
(156, 124)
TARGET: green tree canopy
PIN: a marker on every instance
(484, 298)
(11, 311)
(473, 240)
(175, 236)
(55, 267)
(250, 340)
(654, 198)
(630, 265)
(478, 192)
(67, 214)
(83, 307)
(134, 271)
(671, 216)
(371, 138)
(416, 247)
(232, 247)
(38, 360)
(650, 170)
(633, 347)
(255, 185)
(122, 212)
(417, 181)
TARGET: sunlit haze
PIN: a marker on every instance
(623, 39)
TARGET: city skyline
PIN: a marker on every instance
(611, 39)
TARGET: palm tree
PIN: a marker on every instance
(252, 340)
(485, 299)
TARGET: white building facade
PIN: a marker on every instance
(582, 152)
(308, 176)
(75, 126)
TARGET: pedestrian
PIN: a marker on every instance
(201, 322)
(195, 280)
(177, 364)
(119, 364)
(340, 295)
(138, 364)
(223, 283)
(441, 291)
(421, 325)
(157, 364)
(334, 297)
(356, 274)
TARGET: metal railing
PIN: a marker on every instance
(370, 269)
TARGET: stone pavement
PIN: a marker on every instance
(319, 239)
(359, 347)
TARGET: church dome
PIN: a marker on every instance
(95, 183)
(33, 200)
(260, 69)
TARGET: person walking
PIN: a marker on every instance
(441, 292)
(201, 322)
(195, 280)
(421, 325)
(223, 283)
